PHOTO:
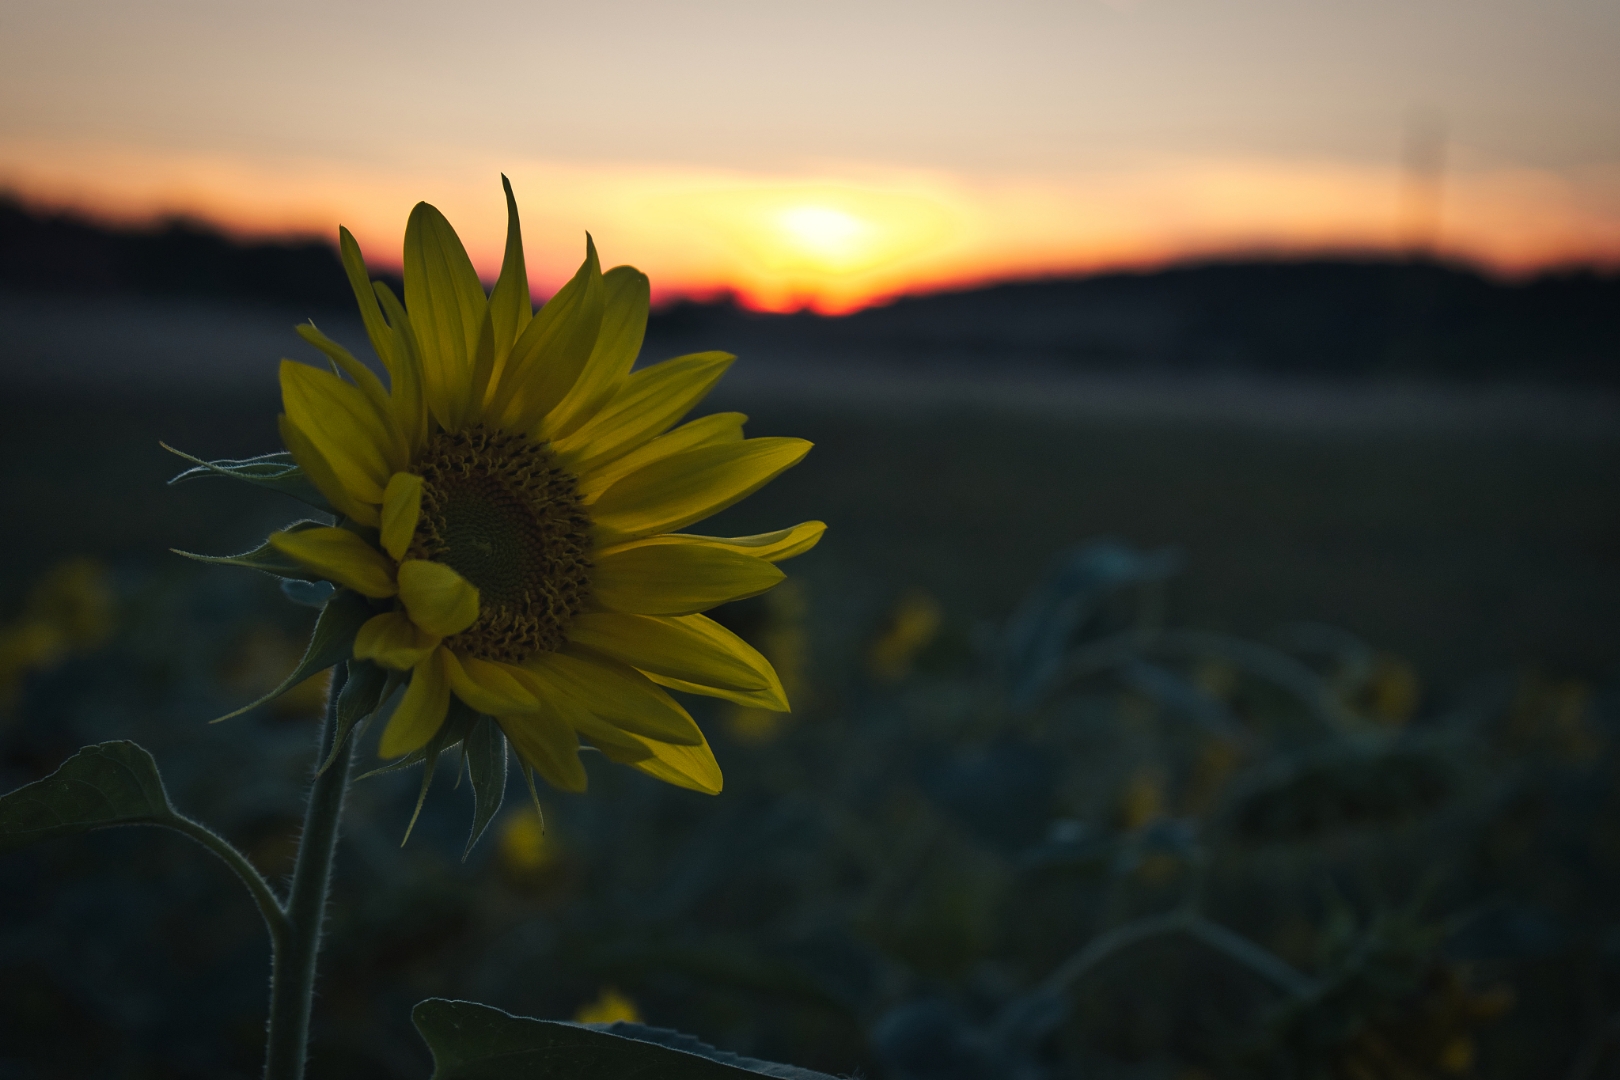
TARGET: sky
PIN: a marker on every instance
(836, 153)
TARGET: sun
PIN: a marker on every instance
(832, 238)
(831, 246)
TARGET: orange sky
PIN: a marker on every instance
(837, 156)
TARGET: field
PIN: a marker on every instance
(1467, 527)
(915, 848)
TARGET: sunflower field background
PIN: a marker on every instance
(1123, 746)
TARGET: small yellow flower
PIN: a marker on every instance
(1458, 1056)
(511, 503)
(611, 1007)
(912, 628)
(1143, 799)
(524, 848)
(1392, 691)
(70, 609)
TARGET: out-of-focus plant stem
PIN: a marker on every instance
(1235, 946)
(292, 978)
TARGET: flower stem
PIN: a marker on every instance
(292, 974)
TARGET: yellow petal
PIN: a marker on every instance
(547, 744)
(320, 473)
(406, 396)
(771, 546)
(421, 711)
(367, 383)
(510, 307)
(339, 556)
(393, 641)
(689, 486)
(624, 325)
(401, 510)
(649, 403)
(652, 578)
(342, 424)
(711, 430)
(617, 693)
(354, 265)
(691, 767)
(446, 303)
(488, 687)
(692, 648)
(438, 599)
(483, 369)
(555, 701)
(548, 357)
(772, 699)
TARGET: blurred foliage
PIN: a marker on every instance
(1088, 842)
(69, 610)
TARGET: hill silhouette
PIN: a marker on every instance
(1319, 318)
(68, 253)
(1313, 317)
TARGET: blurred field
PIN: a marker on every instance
(1467, 527)
(893, 876)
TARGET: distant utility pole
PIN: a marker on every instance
(1423, 167)
(1414, 302)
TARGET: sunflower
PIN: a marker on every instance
(510, 503)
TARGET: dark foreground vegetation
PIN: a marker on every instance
(1088, 841)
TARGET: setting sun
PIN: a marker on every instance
(828, 236)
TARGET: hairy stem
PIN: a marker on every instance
(275, 919)
(292, 976)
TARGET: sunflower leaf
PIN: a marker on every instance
(277, 471)
(332, 641)
(485, 752)
(111, 783)
(471, 1041)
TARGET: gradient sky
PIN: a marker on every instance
(838, 151)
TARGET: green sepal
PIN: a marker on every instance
(265, 558)
(108, 784)
(457, 722)
(475, 1042)
(415, 757)
(332, 641)
(277, 471)
(534, 792)
(361, 694)
(313, 594)
(484, 751)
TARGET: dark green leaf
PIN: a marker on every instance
(485, 752)
(111, 783)
(277, 471)
(332, 641)
(475, 1042)
(264, 558)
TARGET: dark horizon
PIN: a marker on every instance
(1341, 316)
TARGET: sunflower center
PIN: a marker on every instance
(499, 510)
